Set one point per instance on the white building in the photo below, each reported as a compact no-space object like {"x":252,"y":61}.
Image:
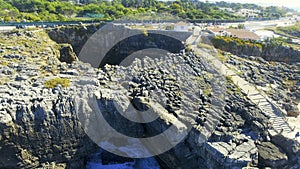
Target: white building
{"x":227,"y":9}
{"x":181,"y":27}
{"x":249,"y":13}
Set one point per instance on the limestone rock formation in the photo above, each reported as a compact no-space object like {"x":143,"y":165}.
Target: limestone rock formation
{"x":267,"y":51}
{"x":66,"y":53}
{"x":271,"y":156}
{"x":44,"y":127}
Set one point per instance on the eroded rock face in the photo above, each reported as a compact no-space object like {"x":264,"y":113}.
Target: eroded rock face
{"x":160,"y":86}
{"x":267,"y":51}
{"x":271,"y":156}
{"x":66,"y":53}
{"x":73,"y":35}
{"x":278,"y":80}
{"x":233,"y":140}
{"x":41,"y":127}
{"x":116,"y":44}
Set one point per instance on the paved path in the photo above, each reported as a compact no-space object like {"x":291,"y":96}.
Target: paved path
{"x":6,"y":28}
{"x":269,"y":108}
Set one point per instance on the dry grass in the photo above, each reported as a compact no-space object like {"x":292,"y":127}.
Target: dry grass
{"x":4,"y":63}
{"x":221,"y":57}
{"x":64,"y":82}
{"x":205,"y":46}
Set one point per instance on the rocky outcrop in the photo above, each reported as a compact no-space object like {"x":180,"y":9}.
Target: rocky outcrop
{"x":280,"y":54}
{"x":39,"y":126}
{"x":75,"y":35}
{"x":233,"y":141}
{"x":267,"y":51}
{"x":53,"y":127}
{"x":113,"y":48}
{"x":278,"y":80}
{"x":271,"y":156}
{"x":292,"y":150}
{"x":155,"y":79}
{"x":66,"y":53}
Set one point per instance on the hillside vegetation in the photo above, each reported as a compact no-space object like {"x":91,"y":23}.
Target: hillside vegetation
{"x":56,"y":10}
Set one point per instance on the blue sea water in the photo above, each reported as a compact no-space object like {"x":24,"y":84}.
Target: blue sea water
{"x":146,"y":163}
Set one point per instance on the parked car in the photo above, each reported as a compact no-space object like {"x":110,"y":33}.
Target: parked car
{"x":21,"y":26}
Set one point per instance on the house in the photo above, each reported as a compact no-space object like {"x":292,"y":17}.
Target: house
{"x":181,"y":26}
{"x":227,"y":9}
{"x":249,"y":13}
{"x":239,"y":33}
{"x":265,"y":35}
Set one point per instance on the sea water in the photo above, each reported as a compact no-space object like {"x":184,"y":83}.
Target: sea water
{"x":145,"y":163}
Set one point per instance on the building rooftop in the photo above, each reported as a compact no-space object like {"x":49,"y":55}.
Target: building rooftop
{"x":181,"y":23}
{"x":239,"y":33}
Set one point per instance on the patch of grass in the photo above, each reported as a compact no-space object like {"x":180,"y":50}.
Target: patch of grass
{"x":229,"y":78}
{"x":281,"y":31}
{"x":202,"y":80}
{"x":269,"y":91}
{"x":31,"y":29}
{"x":289,"y":83}
{"x":144,"y":32}
{"x":3,"y":63}
{"x":207,"y":91}
{"x":4,"y":80}
{"x":272,"y":63}
{"x":64,"y":82}
{"x":178,"y":94}
{"x":205,"y":46}
{"x":188,"y":47}
{"x":148,"y":27}
{"x":236,"y":88}
{"x":222,"y":57}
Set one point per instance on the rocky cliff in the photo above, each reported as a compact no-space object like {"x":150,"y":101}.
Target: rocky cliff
{"x":39,"y":126}
{"x":115,"y":42}
{"x":279,"y":81}
{"x":75,"y":35}
{"x":44,"y":126}
{"x":269,"y":52}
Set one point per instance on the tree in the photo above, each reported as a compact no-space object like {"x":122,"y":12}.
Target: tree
{"x":176,"y":8}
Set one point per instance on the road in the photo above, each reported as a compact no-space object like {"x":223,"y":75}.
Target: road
{"x":6,"y":28}
{"x":259,"y":25}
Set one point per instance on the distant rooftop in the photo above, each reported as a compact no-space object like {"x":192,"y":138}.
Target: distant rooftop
{"x":181,"y":23}
{"x":239,"y":33}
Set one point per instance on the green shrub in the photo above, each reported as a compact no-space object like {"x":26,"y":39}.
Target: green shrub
{"x":229,"y":78}
{"x":64,"y":82}
{"x":223,"y":42}
{"x":144,"y":32}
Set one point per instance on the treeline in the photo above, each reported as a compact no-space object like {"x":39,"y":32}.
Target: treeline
{"x":63,"y":10}
{"x":266,"y":12}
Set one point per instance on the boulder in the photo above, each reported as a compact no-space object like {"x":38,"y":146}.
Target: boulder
{"x":66,"y":53}
{"x":271,"y":156}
